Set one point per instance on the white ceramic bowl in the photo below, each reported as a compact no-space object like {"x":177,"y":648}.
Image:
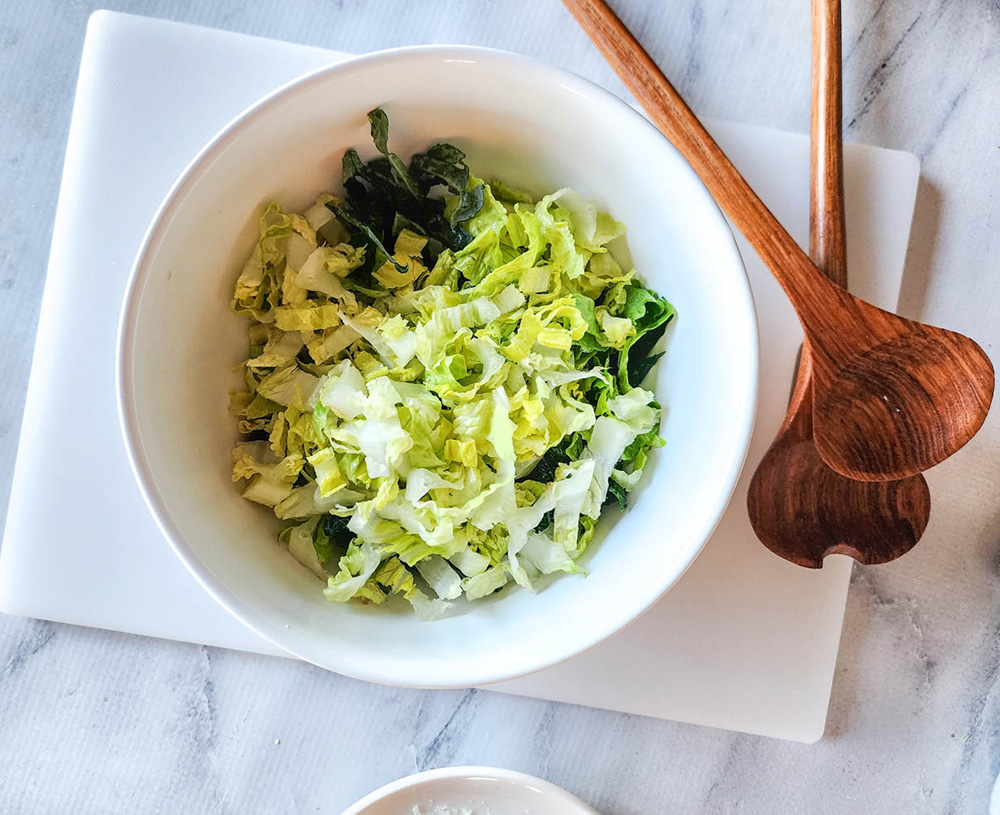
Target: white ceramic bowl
{"x":536,"y":127}
{"x":479,"y":790}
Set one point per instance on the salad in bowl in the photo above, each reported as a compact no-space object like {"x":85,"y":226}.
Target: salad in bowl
{"x":443,"y":380}
{"x":443,"y":390}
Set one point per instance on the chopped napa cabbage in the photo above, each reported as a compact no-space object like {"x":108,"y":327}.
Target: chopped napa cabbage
{"x":442,"y":391}
{"x":300,"y":545}
{"x":288,"y":385}
{"x":356,"y":566}
{"x":441,"y":577}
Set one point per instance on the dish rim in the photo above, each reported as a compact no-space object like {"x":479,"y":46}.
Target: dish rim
{"x":416,"y":780}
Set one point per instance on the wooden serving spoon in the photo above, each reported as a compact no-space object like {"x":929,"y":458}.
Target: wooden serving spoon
{"x":800,"y":508}
{"x":891,"y":397}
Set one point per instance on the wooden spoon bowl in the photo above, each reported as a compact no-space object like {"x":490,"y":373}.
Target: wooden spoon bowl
{"x":803,"y":511}
{"x":903,"y":405}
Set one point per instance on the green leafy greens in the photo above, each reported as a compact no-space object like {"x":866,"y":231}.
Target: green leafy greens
{"x":443,"y":390}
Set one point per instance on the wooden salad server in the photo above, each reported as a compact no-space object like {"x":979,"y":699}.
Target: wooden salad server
{"x":800,"y":508}
{"x":891,"y":397}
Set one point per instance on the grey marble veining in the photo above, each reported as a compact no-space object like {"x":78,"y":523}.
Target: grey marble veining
{"x":95,"y":722}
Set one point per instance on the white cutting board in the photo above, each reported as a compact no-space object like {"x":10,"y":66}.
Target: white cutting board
{"x":745,"y":641}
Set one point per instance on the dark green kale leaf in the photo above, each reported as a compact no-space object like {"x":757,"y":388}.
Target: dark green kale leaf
{"x":616,"y":495}
{"x":570,"y":448}
{"x":441,"y":164}
{"x":368,"y":233}
{"x":330,"y":540}
{"x":470,"y":202}
{"x":650,"y":314}
{"x":384,"y":196}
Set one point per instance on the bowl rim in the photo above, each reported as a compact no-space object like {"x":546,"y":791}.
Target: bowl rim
{"x":465,"y":772}
{"x":140,"y":272}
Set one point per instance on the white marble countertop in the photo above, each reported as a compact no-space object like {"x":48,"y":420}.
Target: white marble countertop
{"x":98,"y":722}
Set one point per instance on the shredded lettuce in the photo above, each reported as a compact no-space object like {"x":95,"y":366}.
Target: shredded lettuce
{"x":443,"y":388}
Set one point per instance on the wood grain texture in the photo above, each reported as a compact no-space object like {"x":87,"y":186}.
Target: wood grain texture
{"x":799,"y":508}
{"x":802,"y":510}
{"x":891,"y":397}
{"x":827,"y":228}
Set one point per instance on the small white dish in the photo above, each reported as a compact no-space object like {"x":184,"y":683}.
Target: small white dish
{"x":536,"y":127}
{"x":470,"y":791}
